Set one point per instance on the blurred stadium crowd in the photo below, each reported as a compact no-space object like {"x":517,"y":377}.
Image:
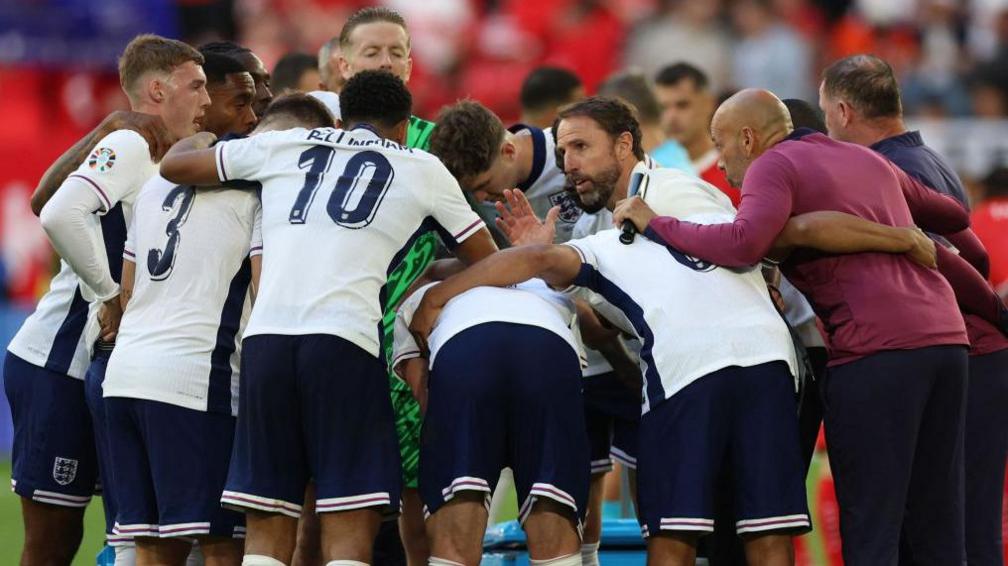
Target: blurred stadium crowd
{"x":58,"y":79}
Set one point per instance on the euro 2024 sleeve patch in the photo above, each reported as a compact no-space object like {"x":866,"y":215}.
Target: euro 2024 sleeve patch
{"x":102,"y":159}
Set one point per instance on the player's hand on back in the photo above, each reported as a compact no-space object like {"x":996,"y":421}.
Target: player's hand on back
{"x":521,"y":225}
{"x":151,"y":127}
{"x":109,"y":315}
{"x":923,"y":251}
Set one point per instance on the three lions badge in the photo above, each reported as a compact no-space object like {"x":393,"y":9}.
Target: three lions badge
{"x":64,"y":470}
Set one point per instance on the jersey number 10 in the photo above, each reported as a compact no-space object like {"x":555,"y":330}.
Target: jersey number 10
{"x":359,"y":189}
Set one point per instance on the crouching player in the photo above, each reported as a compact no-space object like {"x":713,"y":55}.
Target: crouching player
{"x":717,"y":363}
{"x":504,"y":390}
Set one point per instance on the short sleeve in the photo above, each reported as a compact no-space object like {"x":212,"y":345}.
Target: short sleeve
{"x":585,"y":248}
{"x":256,"y":246}
{"x":117,"y":166}
{"x":449,"y":207}
{"x":404,"y":346}
{"x":244,"y":159}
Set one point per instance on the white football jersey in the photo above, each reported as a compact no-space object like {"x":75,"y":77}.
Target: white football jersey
{"x":339,"y":210}
{"x":178,"y":342}
{"x":692,"y":318}
{"x":117,"y":168}
{"x":58,"y":335}
{"x":587,"y":225}
{"x":53,"y":336}
{"x":531,"y":303}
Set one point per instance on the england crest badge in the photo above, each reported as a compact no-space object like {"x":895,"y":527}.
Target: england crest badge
{"x":569,"y":210}
{"x":64,"y":470}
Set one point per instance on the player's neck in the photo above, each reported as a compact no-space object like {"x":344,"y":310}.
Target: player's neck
{"x":698,"y":146}
{"x":880,"y":129}
{"x":145,"y":107}
{"x":523,"y":157}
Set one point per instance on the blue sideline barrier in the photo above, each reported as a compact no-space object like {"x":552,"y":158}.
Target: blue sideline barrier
{"x":621,"y":544}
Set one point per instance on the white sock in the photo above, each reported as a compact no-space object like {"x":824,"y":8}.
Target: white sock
{"x":569,"y":560}
{"x":589,"y":554}
{"x":260,"y":560}
{"x":125,"y":555}
{"x":435,"y":561}
{"x":346,"y":563}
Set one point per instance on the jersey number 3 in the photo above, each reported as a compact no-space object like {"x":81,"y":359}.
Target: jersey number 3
{"x":160,"y":263}
{"x":359,"y":189}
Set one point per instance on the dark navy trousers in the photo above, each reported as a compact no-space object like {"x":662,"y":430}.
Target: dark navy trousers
{"x":895,"y":425}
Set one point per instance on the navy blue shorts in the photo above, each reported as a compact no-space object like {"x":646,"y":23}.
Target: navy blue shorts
{"x":53,"y":457}
{"x":313,"y":406}
{"x":489,"y":409}
{"x":169,"y":468}
{"x":612,"y":415}
{"x":93,"y":393}
{"x":744,"y":418}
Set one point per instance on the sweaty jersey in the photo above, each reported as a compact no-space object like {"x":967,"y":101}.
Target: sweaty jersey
{"x":531,"y":303}
{"x":178,"y":340}
{"x":691,"y":317}
{"x":339,"y":210}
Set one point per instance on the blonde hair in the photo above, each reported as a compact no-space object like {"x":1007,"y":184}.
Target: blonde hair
{"x":149,"y":52}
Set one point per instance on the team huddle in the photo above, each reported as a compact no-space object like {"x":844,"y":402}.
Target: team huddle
{"x":282,"y":323}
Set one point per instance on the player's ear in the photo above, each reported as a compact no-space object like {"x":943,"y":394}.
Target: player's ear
{"x":156,"y":90}
{"x":344,"y":67}
{"x":624,"y":145}
{"x":508,"y":150}
{"x":409,"y":69}
{"x":399,"y":132}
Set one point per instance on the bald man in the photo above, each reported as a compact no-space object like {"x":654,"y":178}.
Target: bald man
{"x":895,"y":391}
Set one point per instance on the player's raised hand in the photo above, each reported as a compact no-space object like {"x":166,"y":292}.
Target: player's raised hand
{"x":151,"y":127}
{"x":521,"y":225}
{"x":635,"y":210}
{"x":923,"y":250}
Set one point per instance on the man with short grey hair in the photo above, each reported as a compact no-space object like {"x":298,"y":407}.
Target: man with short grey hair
{"x":861,"y":99}
{"x":330,"y":78}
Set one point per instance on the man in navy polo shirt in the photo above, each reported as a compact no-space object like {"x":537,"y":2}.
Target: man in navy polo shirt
{"x":861,"y":99}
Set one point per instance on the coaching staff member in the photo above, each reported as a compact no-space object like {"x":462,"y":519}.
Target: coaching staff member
{"x":861,"y":99}
{"x":895,"y":392}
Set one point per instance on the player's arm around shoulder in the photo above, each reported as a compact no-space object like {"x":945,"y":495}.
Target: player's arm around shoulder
{"x":558,"y":265}
{"x":841,"y":233}
{"x":192,"y":161}
{"x":149,"y":126}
